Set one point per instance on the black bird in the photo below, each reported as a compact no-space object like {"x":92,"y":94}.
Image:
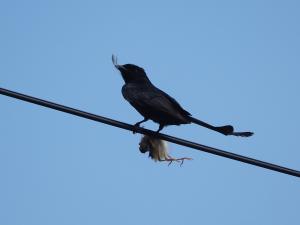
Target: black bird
{"x":154,"y":104}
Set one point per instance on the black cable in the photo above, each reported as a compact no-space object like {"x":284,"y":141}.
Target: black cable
{"x":126,"y":126}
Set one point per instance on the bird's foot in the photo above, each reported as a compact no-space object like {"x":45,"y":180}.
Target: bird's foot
{"x":135,"y":128}
{"x":137,"y":125}
{"x":179,"y":160}
{"x":160,"y":128}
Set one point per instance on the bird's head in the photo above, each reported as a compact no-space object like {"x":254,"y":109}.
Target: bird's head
{"x":130,"y":72}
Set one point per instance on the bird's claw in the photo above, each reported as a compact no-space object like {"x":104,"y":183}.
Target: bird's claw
{"x":135,"y":128}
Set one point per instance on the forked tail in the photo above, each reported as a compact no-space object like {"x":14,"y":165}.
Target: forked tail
{"x":226,"y":130}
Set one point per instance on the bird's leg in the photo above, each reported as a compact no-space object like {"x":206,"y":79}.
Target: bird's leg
{"x":137,"y":125}
{"x":182,"y":160}
{"x":161,"y":126}
{"x":171,"y":159}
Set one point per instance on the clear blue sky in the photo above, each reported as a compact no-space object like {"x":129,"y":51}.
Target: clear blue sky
{"x":227,"y":62}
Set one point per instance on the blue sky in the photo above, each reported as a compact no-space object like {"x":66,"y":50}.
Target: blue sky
{"x":233,"y":62}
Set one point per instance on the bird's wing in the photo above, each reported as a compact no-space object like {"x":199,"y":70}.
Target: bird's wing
{"x":175,"y":103}
{"x":155,"y":101}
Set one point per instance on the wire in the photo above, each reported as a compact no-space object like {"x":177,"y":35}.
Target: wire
{"x":129,"y":127}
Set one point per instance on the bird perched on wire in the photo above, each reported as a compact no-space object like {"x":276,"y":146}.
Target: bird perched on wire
{"x":158,"y":150}
{"x":156,"y":105}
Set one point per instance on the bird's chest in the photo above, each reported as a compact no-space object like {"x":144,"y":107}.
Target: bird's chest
{"x":133,"y":92}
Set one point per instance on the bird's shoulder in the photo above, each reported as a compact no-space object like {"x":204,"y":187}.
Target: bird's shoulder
{"x":132,"y":91}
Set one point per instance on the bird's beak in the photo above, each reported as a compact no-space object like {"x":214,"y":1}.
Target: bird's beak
{"x":115,"y":62}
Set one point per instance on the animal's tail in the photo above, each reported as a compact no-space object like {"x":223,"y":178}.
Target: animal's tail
{"x":226,"y":130}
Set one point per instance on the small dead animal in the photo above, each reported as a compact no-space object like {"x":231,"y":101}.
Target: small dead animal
{"x":158,"y":150}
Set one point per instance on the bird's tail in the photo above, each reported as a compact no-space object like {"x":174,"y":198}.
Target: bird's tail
{"x":226,"y":130}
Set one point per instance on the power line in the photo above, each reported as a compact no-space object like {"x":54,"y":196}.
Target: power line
{"x":126,"y":126}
